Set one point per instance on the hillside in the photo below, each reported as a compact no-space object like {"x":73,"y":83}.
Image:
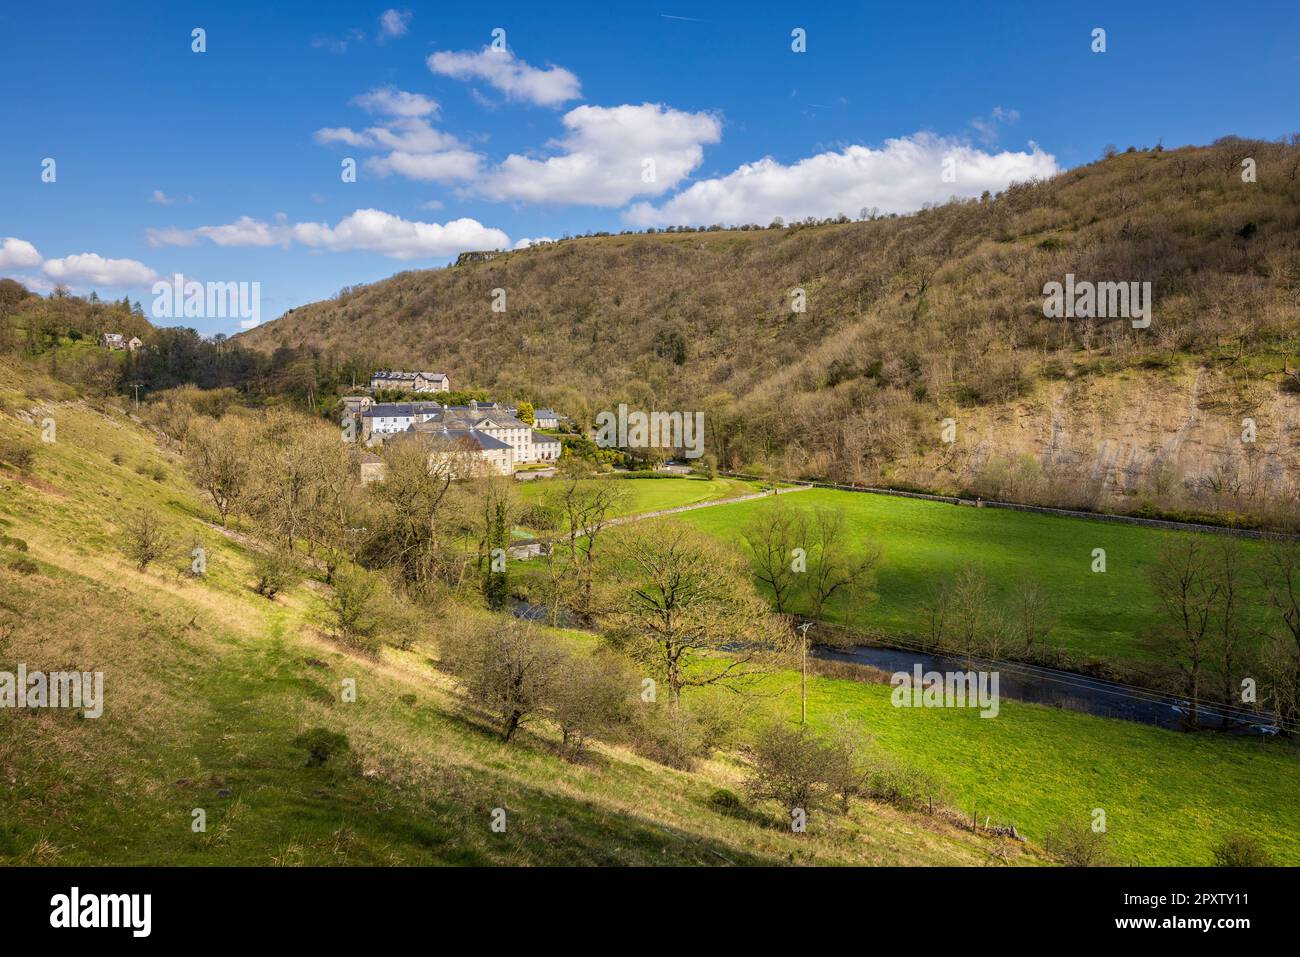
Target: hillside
{"x":911,"y":320}
{"x":207,"y":687}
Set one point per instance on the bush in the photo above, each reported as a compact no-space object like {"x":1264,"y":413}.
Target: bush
{"x":276,"y":571}
{"x":144,"y":539}
{"x":670,"y":736}
{"x":790,"y":767}
{"x":507,"y":668}
{"x":17,"y":453}
{"x":359,"y":614}
{"x":1078,"y":845}
{"x":1241,"y":850}
{"x":592,"y":696}
{"x":25,"y":566}
{"x":321,"y":744}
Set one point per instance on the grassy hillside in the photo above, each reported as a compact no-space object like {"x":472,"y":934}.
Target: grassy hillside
{"x":208,"y":686}
{"x":911,"y":320}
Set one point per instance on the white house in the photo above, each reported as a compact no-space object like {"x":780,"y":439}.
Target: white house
{"x":546,"y":419}
{"x":114,"y":340}
{"x":388,"y":418}
{"x":410,"y":381}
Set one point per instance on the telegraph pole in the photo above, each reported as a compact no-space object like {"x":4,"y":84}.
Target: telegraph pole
{"x":803,"y":677}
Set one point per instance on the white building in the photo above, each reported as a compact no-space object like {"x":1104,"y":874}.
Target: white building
{"x":546,"y":419}
{"x":388,"y":418}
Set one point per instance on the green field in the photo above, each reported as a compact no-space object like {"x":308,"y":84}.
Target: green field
{"x":653,"y":495}
{"x":1168,"y":797}
{"x":1100,"y":615}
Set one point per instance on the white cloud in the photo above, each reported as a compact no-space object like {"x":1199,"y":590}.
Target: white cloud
{"x":390,"y":101}
{"x":417,"y":150}
{"x":535,"y":241}
{"x":161,"y":198}
{"x":611,"y":154}
{"x":93,"y":269}
{"x":899,"y":177}
{"x":393,"y":23}
{"x":369,"y":230}
{"x":17,"y":253}
{"x":515,"y":78}
{"x":439,"y":167}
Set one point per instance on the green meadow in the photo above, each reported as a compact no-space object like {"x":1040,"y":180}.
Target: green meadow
{"x":1099,"y":615}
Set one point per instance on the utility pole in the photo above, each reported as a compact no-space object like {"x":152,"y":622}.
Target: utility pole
{"x":803,"y":678}
{"x":136,"y":386}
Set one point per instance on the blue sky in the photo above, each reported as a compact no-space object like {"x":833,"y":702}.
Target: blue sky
{"x":225,"y":165}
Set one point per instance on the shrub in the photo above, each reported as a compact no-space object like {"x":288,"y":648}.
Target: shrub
{"x":1078,"y":845}
{"x":17,"y":453}
{"x":790,"y":767}
{"x":507,"y":668}
{"x":25,"y":566}
{"x":592,"y":696}
{"x":1241,"y":850}
{"x":144,"y":539}
{"x":276,"y":571}
{"x":670,"y":736}
{"x":321,"y":744}
{"x":358,"y":614}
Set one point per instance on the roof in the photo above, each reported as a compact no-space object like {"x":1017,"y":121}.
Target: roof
{"x":390,"y":410}
{"x":492,"y":418}
{"x":545,"y":414}
{"x":540,"y":438}
{"x":461,"y":436}
{"x":407,"y":376}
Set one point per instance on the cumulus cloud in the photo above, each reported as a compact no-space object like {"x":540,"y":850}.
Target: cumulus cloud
{"x":609,"y":156}
{"x":417,"y":150}
{"x":393,"y":23}
{"x":505,"y":72}
{"x":390,"y":101}
{"x":17,"y":253}
{"x":533,"y":241}
{"x":899,"y":177}
{"x":369,"y":230}
{"x":94,"y":270}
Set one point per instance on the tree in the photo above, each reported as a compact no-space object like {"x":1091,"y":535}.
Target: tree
{"x":508,"y":668}
{"x":219,"y":462}
{"x":145,"y":540}
{"x":587,"y":505}
{"x":524,"y":412}
{"x":792,"y":767}
{"x":773,"y":534}
{"x":415,"y":518}
{"x":1281,"y":582}
{"x":686,"y":606}
{"x":1078,"y":845}
{"x":360,"y":611}
{"x":497,"y":510}
{"x":832,"y":567}
{"x":1241,"y":850}
{"x":1187,"y":593}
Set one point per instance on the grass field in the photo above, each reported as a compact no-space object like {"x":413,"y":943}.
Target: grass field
{"x":1100,"y":615}
{"x":653,"y":495}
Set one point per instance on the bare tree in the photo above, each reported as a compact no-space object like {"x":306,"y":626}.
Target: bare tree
{"x":687,"y":607}
{"x":837,"y":565}
{"x":145,"y":539}
{"x":587,"y":505}
{"x":218,"y":461}
{"x":1281,"y":581}
{"x":772,"y":535}
{"x":1187,"y":591}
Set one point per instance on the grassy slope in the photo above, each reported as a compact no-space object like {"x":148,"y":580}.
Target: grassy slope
{"x":207,"y":685}
{"x":1100,"y":615}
